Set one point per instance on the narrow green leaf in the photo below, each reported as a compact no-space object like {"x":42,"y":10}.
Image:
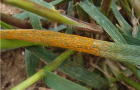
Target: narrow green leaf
{"x":57,"y":2}
{"x":58,"y":83}
{"x":22,"y":15}
{"x":131,"y":40}
{"x":35,"y":21}
{"x":68,"y":67}
{"x":138,"y":32}
{"x":59,"y":28}
{"x":5,"y":25}
{"x":8,"y":43}
{"x":69,"y":29}
{"x":43,"y":3}
{"x":102,"y":20}
{"x":138,"y":70}
{"x":78,"y":59}
{"x":31,"y":62}
{"x":125,"y":26}
{"x":130,"y":82}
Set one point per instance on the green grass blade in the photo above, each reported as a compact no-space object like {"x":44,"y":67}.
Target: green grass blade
{"x":57,"y":2}
{"x":125,"y":26}
{"x":138,"y":70}
{"x":131,"y":40}
{"x":58,"y":83}
{"x":78,"y":59}
{"x":68,"y":67}
{"x":138,"y":32}
{"x":22,"y":15}
{"x":5,"y":25}
{"x":31,"y":62}
{"x":35,"y":21}
{"x":59,"y":28}
{"x":102,"y":20}
{"x":7,"y":43}
{"x":43,"y":3}
{"x":69,"y":29}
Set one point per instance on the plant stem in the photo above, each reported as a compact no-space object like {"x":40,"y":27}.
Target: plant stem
{"x":54,"y":64}
{"x":29,"y":81}
{"x":50,"y":67}
{"x":130,"y":82}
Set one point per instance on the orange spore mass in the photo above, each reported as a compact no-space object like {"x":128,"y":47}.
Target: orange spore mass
{"x":73,"y":42}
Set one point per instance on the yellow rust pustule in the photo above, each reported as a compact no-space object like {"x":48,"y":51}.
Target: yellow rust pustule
{"x":57,"y":39}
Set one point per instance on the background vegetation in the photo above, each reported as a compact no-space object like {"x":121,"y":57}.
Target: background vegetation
{"x":113,"y":39}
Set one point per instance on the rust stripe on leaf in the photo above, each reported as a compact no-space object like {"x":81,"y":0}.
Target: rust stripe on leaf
{"x":74,"y":42}
{"x":57,"y":39}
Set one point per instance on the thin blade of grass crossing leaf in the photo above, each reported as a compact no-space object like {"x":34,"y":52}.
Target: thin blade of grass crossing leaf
{"x":35,"y":21}
{"x":31,"y":62}
{"x":78,"y":59}
{"x":58,"y":83}
{"x":59,"y":28}
{"x":6,"y":43}
{"x":138,"y":36}
{"x":43,"y":3}
{"x":125,"y":26}
{"x":22,"y":15}
{"x":76,"y":71}
{"x":69,"y":29}
{"x":57,"y":2}
{"x":25,"y":14}
{"x":138,"y":32}
{"x":138,"y":70}
{"x":102,"y":20}
{"x":131,"y":40}
{"x":5,"y":25}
